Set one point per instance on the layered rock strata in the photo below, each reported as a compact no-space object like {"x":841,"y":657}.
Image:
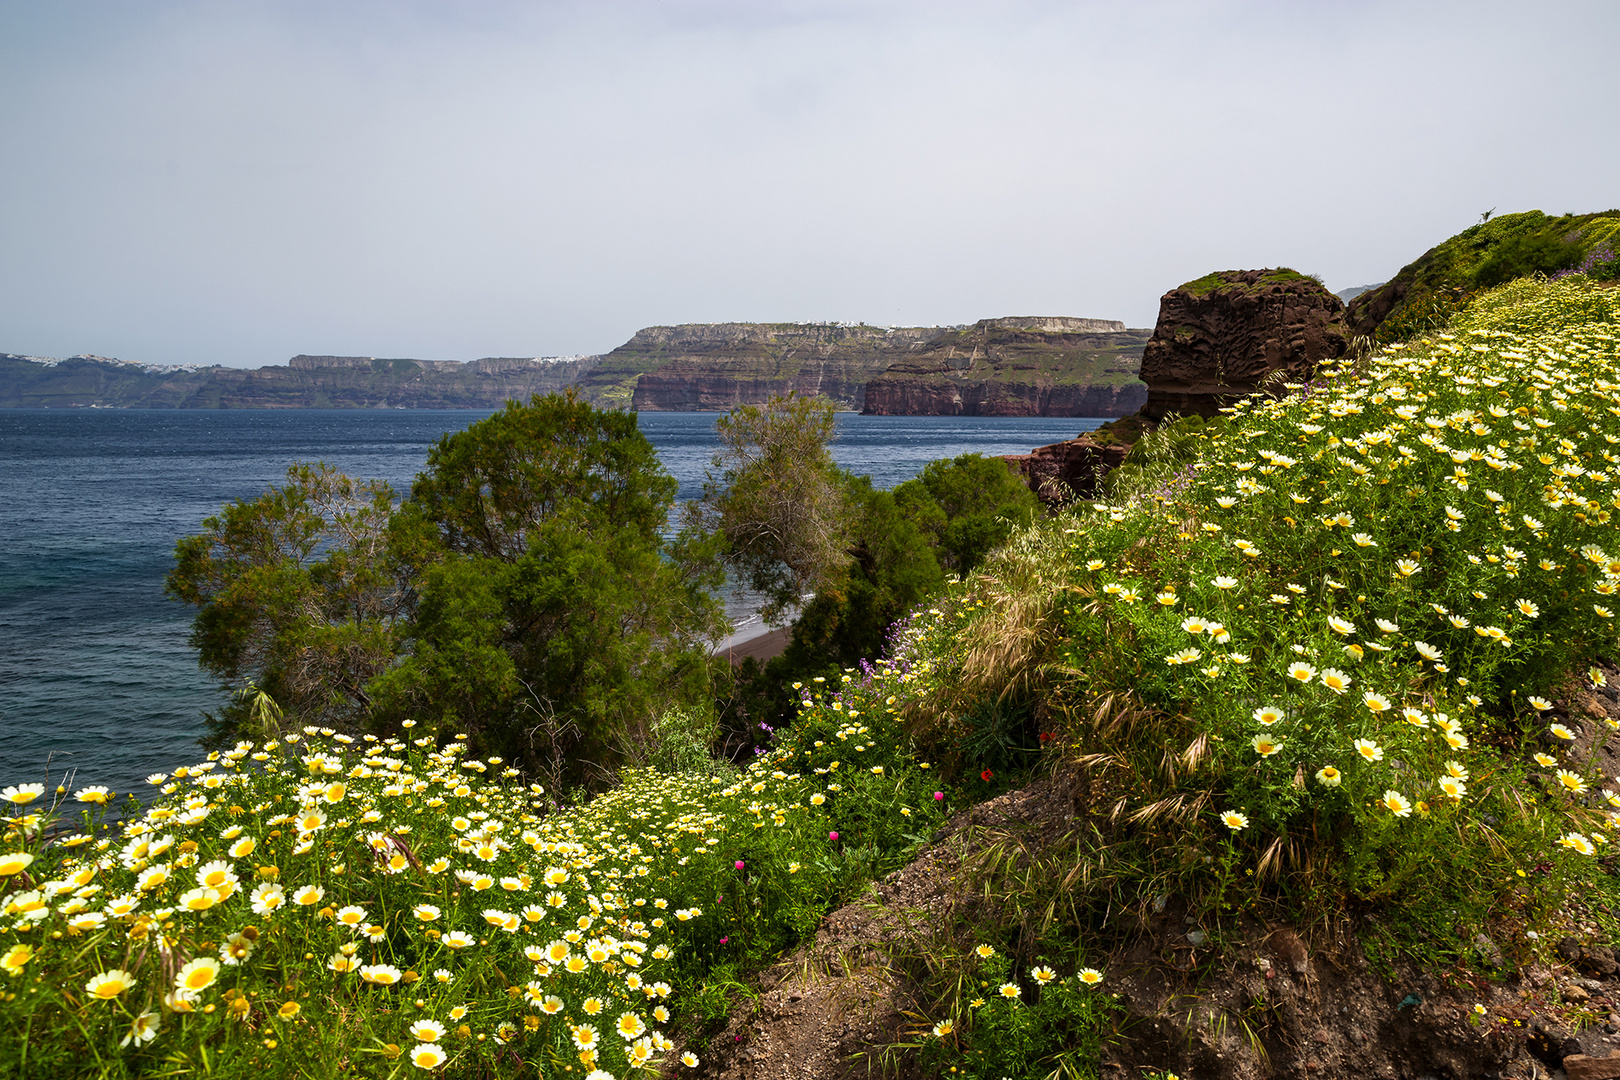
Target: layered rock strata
{"x":1018,"y":366}
{"x":718,"y":366}
{"x":1227,"y":334}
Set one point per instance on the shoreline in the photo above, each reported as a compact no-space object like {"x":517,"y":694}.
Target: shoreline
{"x":761,"y":647}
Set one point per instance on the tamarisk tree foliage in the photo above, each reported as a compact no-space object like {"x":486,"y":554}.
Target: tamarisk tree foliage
{"x":776,"y":505}
{"x":299,"y":592}
{"x":523,"y":593}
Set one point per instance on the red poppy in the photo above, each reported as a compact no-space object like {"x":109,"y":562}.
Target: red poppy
{"x":1045,"y":735}
{"x":986,"y":775}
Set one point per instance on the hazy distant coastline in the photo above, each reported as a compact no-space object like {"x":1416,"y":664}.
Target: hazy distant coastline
{"x":1014,"y":366}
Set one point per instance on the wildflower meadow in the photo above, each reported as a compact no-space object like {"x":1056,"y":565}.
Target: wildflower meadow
{"x":1327,"y":669}
{"x":1319,"y":664}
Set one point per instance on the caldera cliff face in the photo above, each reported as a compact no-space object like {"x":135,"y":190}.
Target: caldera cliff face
{"x":718,"y":366}
{"x":1017,"y":366}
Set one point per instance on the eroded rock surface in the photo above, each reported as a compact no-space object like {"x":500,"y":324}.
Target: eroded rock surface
{"x":1221,"y":337}
{"x":1073,"y":468}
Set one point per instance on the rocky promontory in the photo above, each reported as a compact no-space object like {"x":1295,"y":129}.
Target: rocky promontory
{"x":1017,"y":366}
{"x":1222,"y":336}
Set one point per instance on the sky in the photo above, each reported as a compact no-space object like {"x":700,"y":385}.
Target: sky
{"x":237,"y":182}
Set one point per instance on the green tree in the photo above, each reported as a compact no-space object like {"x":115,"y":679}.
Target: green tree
{"x":535,"y":604}
{"x":551,"y":625}
{"x":967,"y":506}
{"x":299,"y":594}
{"x":775,"y":508}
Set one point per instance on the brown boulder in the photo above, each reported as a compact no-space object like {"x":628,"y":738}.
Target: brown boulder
{"x":1221,"y":337}
{"x":1073,"y":468}
{"x":1581,"y":1067}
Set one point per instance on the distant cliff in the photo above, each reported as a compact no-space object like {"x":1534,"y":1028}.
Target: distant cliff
{"x":330,"y":382}
{"x":1018,"y":366}
{"x":997,"y":367}
{"x":717,"y":366}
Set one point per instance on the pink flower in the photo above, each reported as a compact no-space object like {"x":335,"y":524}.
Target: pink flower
{"x":738,"y":864}
{"x":938,"y":795}
{"x":833,"y":837}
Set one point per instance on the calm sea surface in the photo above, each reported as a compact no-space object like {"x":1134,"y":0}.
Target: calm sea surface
{"x":95,"y":672}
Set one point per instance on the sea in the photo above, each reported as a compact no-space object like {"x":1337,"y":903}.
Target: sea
{"x":97,"y":683}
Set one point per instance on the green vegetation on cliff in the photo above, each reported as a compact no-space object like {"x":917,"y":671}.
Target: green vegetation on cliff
{"x":1222,"y":279}
{"x":997,"y":367}
{"x":1446,"y":278}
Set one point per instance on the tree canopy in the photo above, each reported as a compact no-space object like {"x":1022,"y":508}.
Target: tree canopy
{"x":522,"y":594}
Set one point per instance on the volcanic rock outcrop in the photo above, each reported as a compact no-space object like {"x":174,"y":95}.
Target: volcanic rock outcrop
{"x":1018,"y":366}
{"x":1073,"y":468}
{"x":1227,"y":334}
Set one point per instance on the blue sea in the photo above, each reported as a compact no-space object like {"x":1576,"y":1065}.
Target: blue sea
{"x":96,"y":678}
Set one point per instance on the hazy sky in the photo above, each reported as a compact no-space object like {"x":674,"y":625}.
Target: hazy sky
{"x":221,"y":182}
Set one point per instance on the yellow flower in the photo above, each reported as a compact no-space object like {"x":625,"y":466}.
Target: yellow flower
{"x":1090,"y":976}
{"x":1396,"y":804}
{"x":1234,"y":820}
{"x":14,"y":863}
{"x":1369,"y":750}
{"x":109,"y":984}
{"x":16,"y":956}
{"x":1571,"y":782}
{"x":427,"y":1056}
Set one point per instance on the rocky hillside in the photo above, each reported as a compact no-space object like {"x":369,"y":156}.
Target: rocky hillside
{"x":1020,"y":366}
{"x":332,"y":382}
{"x":1444,"y":279}
{"x":716,"y":366}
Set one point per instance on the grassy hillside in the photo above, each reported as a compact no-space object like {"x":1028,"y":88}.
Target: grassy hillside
{"x":1446,"y":277}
